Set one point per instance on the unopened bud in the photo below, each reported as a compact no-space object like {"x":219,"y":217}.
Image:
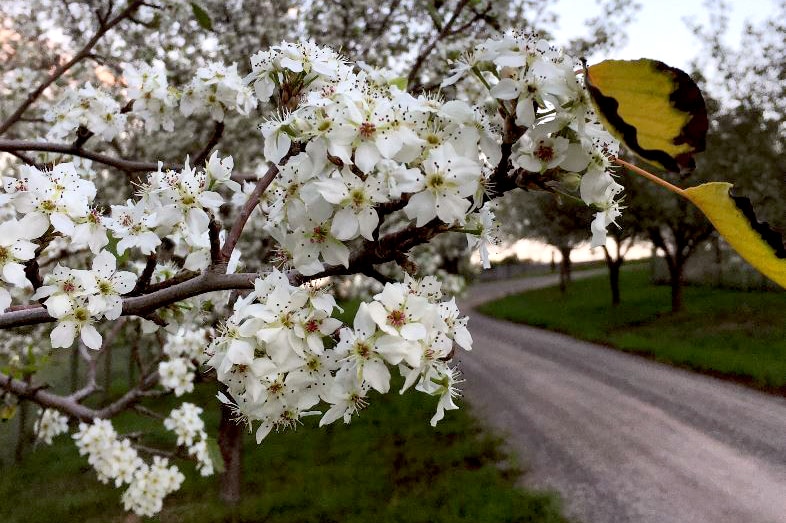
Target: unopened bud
{"x":570,"y":182}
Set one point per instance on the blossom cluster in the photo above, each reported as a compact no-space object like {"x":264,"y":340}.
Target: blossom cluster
{"x":77,"y":298}
{"x":116,"y":460}
{"x":183,"y":349}
{"x":185,"y":422}
{"x":537,"y":83}
{"x":279,"y":359}
{"x":49,"y":425}
{"x":88,"y":107}
{"x":177,"y":205}
{"x":369,"y":143}
{"x":215,"y":90}
{"x":57,"y":202}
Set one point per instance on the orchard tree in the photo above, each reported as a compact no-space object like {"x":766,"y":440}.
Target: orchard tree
{"x":355,"y":172}
{"x":675,"y":228}
{"x":553,"y":219}
{"x":220,"y":261}
{"x":627,"y":233}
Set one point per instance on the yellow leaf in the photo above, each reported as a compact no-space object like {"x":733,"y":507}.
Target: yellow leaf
{"x":734,"y":219}
{"x":656,"y":110}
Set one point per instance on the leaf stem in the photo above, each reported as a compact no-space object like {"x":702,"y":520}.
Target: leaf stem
{"x":649,"y":176}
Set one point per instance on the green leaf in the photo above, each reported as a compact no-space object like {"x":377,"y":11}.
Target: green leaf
{"x":215,"y":455}
{"x":656,"y":110}
{"x":202,"y":18}
{"x":400,"y":82}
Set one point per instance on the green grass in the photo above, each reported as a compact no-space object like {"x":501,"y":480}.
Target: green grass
{"x":735,"y":334}
{"x":389,"y":465}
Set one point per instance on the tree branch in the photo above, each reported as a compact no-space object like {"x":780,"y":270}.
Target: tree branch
{"x":163,"y":294}
{"x":146,"y":276}
{"x":71,"y":406}
{"x":187,"y":285}
{"x":14,"y":146}
{"x":218,"y":131}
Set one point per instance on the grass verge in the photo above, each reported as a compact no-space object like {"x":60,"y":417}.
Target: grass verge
{"x":733,"y":334}
{"x":389,"y":465}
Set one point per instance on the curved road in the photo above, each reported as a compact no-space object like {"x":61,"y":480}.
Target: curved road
{"x":621,"y":438}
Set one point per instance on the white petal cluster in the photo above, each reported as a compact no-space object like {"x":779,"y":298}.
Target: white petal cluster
{"x":271,"y":353}
{"x":153,"y":99}
{"x":177,"y":205}
{"x":273,"y":357}
{"x":88,"y":107}
{"x":53,"y":203}
{"x":369,"y":143}
{"x":186,"y":343}
{"x":16,"y":247}
{"x":269,"y":68}
{"x":173,"y":204}
{"x":49,"y":425}
{"x":177,"y":375}
{"x":77,"y":298}
{"x":16,"y":81}
{"x":482,"y":227}
{"x":151,"y":484}
{"x":537,"y":83}
{"x":216,"y":89}
{"x":190,"y":430}
{"x":117,"y":461}
{"x":60,"y":197}
{"x":184,"y":349}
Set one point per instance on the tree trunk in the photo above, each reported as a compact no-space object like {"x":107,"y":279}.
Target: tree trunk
{"x":675,"y":274}
{"x":21,"y":436}
{"x":614,"y":265}
{"x":230,"y":441}
{"x":614,"y":282}
{"x":564,"y":269}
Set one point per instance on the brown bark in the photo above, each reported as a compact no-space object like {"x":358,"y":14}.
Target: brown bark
{"x":614,"y":265}
{"x":230,"y":441}
{"x":565,"y":267}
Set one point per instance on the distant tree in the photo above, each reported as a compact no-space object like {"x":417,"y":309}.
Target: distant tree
{"x":552,"y":219}
{"x":740,"y":147}
{"x":626,"y":234}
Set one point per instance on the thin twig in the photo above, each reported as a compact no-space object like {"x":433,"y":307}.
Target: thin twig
{"x":146,"y":276}
{"x":72,"y":407}
{"x":28,"y":160}
{"x":148,"y":412}
{"x":218,"y":131}
{"x":245,"y":212}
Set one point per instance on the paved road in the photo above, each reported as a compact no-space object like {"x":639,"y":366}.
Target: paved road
{"x":621,"y":438}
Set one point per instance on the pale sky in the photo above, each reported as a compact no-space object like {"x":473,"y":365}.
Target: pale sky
{"x":659,"y":30}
